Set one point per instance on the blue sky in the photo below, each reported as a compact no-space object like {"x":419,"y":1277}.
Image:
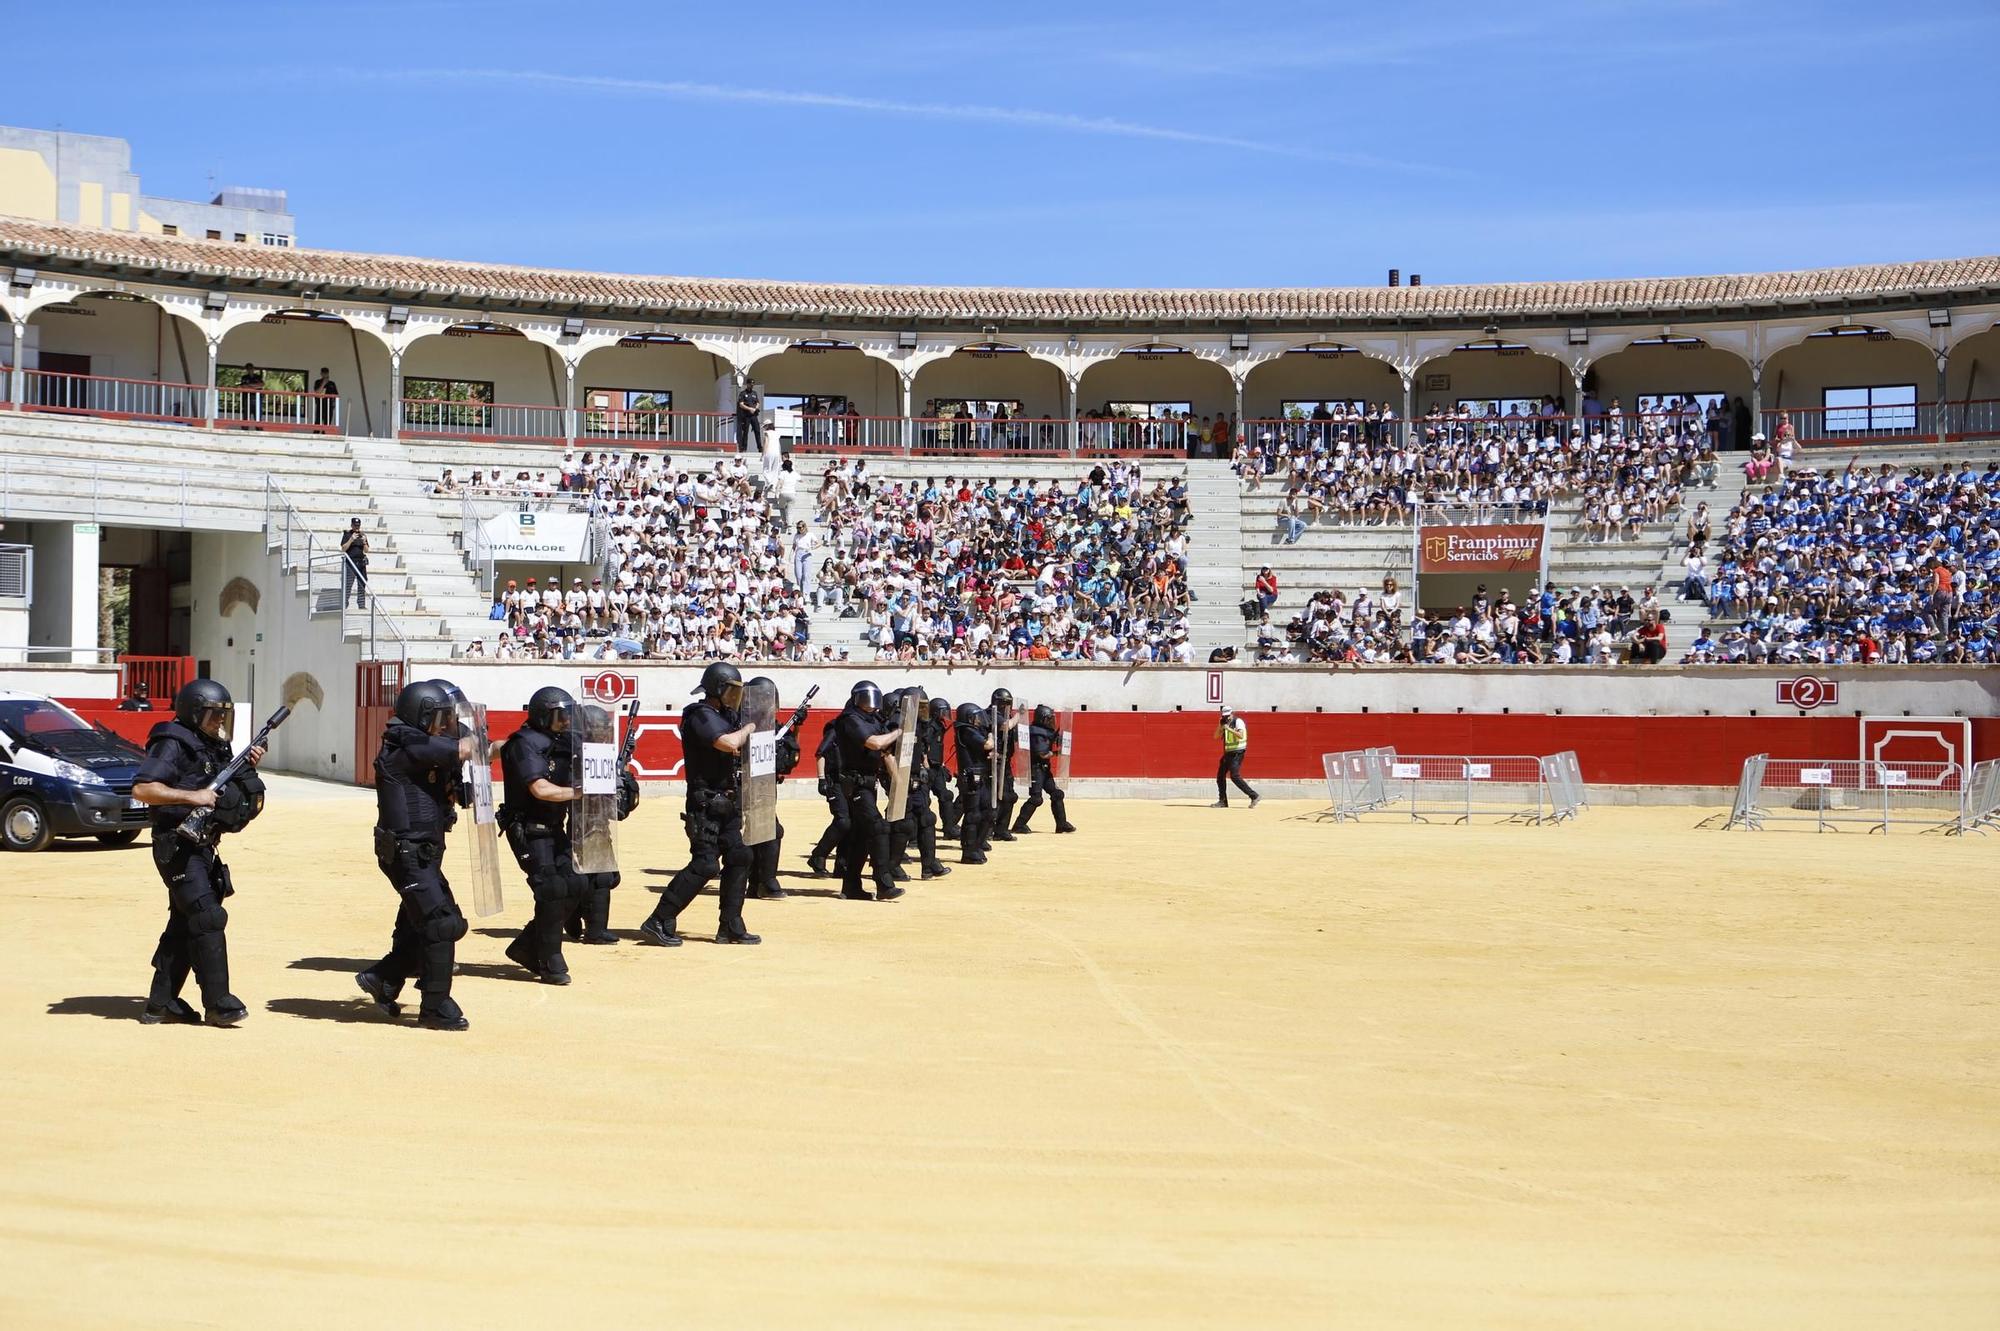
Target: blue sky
{"x":1111,"y":145}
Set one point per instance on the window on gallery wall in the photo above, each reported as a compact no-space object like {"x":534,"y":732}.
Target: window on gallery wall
{"x":1871,"y":409}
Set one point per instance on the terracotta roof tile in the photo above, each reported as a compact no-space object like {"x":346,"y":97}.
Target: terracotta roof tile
{"x":31,"y":242}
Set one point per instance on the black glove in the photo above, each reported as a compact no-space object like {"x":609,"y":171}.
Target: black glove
{"x":628,"y":794}
{"x":798,"y":716}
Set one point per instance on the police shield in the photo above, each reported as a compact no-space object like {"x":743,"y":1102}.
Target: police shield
{"x":1059,"y":760}
{"x":593,"y":733}
{"x":906,"y":755}
{"x":1020,"y":723}
{"x":479,"y":832}
{"x":760,"y":763}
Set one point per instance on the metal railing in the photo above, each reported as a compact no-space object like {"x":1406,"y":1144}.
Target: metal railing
{"x":444,"y":418}
{"x":1133,"y":435}
{"x":278,"y":409}
{"x":657,"y":426}
{"x":329,"y":579}
{"x":968,"y":434}
{"x":853,"y":434}
{"x":1852,"y":425}
{"x":1980,"y":810}
{"x":119,"y":399}
{"x":172,"y":486}
{"x":1461,"y":787}
{"x":1976,"y":419}
{"x":1829,"y":791}
{"x":1357,"y":780}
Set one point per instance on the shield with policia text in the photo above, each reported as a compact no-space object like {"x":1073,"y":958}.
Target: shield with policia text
{"x":760,"y":763}
{"x":906,"y":754}
{"x":1061,"y":724}
{"x":593,"y":743}
{"x":480,"y":833}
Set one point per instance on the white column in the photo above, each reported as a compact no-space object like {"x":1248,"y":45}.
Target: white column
{"x":18,"y":376}
{"x":1756,"y":401}
{"x":64,"y":610}
{"x":214,"y":350}
{"x":1239,"y":404}
{"x":1943,"y":358}
{"x":1069,"y":408}
{"x":908,"y":429}
{"x":1409,"y":402}
{"x":569,"y":402}
{"x":395,"y":392}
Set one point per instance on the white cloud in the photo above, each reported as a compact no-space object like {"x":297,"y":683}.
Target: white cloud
{"x":1060,"y":121}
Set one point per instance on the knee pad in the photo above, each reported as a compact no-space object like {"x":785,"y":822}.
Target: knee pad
{"x":207,"y":917}
{"x":546,"y":881}
{"x":447,"y":925}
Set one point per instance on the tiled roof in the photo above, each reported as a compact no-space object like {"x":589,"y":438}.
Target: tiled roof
{"x":32,"y":243}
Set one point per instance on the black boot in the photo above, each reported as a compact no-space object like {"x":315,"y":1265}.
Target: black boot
{"x":936,"y":870}
{"x":817,"y":863}
{"x":381,"y":991}
{"x":441,"y":1014}
{"x":657,"y":930}
{"x":522,"y":953}
{"x":737,"y":935}
{"x":888,"y":893}
{"x":1065,"y":827}
{"x":225,"y":1011}
{"x":173,"y":1009}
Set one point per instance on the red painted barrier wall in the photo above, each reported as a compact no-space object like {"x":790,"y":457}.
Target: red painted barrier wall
{"x":1613,"y":750}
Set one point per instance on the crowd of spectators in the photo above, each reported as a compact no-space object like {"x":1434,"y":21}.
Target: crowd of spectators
{"x":1355,"y":467}
{"x":1583,"y":626}
{"x":956,"y":568}
{"x":698,"y":565}
{"x":1856,"y":566}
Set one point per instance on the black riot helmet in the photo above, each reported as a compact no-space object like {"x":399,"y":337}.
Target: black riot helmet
{"x":1045,"y":715}
{"x":1002,"y":698}
{"x":940,"y":711}
{"x":420,"y":703}
{"x":970,"y":714}
{"x":767,"y":682}
{"x":199,"y":701}
{"x":722,"y":683}
{"x":866,"y":696}
{"x":549,"y":704}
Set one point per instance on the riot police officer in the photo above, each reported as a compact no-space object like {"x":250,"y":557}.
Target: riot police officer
{"x":937,"y":720}
{"x":533,"y":766}
{"x":1004,"y":743}
{"x":860,"y":736}
{"x":764,"y":857}
{"x":827,"y":757}
{"x":417,"y":780}
{"x":974,"y":744}
{"x":590,"y":922}
{"x":183,"y":756}
{"x":1044,"y":741}
{"x":919,"y":823}
{"x":713,"y":741}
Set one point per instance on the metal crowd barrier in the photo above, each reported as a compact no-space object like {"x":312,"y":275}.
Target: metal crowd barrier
{"x":1562,"y":778}
{"x":1512,"y":787}
{"x":1827,"y":792}
{"x":1357,"y":780}
{"x":1980,"y":809}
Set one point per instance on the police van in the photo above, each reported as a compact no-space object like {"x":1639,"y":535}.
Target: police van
{"x":61,"y":776}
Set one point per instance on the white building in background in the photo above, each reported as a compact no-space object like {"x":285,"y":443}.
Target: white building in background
{"x":57,"y":176}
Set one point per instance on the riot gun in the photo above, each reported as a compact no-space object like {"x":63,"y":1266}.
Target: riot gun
{"x":798,"y":717}
{"x":631,"y":744}
{"x":195,"y":826}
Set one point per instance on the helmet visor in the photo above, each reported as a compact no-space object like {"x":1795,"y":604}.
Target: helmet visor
{"x":216,"y":719}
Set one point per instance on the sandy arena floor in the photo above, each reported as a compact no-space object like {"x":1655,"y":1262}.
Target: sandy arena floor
{"x":1189,"y":1068}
